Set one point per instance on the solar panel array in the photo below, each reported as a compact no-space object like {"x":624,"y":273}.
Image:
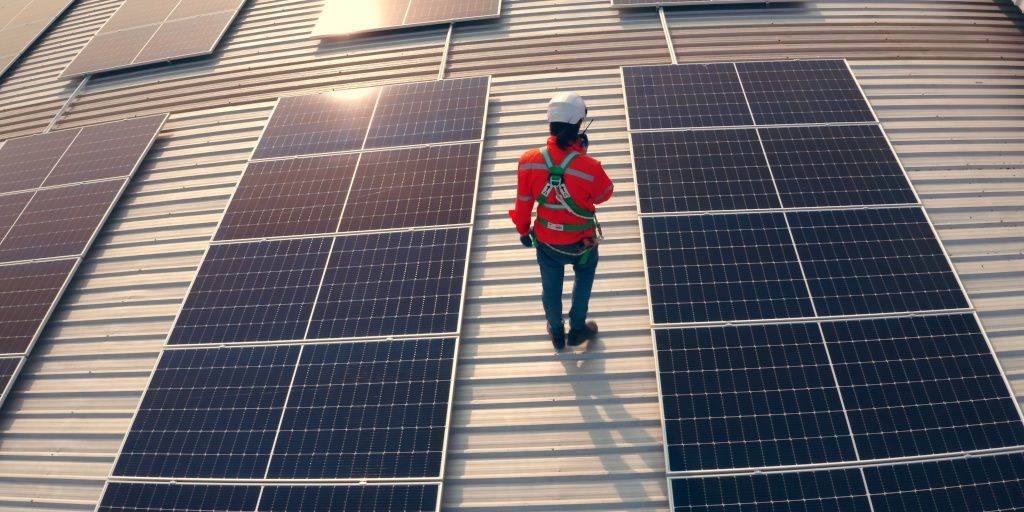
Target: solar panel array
{"x":150,"y":31}
{"x":342,"y":17}
{"x":626,"y":4}
{"x":318,"y":339}
{"x":22,"y":22}
{"x":805,"y":313}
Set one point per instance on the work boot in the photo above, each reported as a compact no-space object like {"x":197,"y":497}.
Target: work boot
{"x":578,"y":336}
{"x":558,"y":337}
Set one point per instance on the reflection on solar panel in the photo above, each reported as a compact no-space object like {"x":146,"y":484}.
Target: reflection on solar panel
{"x":25,"y":162}
{"x":27,"y":295}
{"x":803,"y":91}
{"x":701,"y":170}
{"x":21,"y":23}
{"x":396,"y":283}
{"x":837,"y":490}
{"x":175,"y":497}
{"x":922,"y":385}
{"x":623,"y":4}
{"x":367,"y":410}
{"x":289,"y":197}
{"x":429,"y":112}
{"x":318,"y":123}
{"x":749,"y":396}
{"x":331,"y":498}
{"x":989,"y":483}
{"x":255,"y":291}
{"x":210,"y":413}
{"x":110,"y":150}
{"x":723,"y":267}
{"x":692,"y":95}
{"x":341,"y":17}
{"x":874,"y":261}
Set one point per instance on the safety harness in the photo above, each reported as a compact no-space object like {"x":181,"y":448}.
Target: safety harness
{"x":556,"y":184}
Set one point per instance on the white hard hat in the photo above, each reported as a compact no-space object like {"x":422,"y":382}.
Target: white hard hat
{"x":566,"y":107}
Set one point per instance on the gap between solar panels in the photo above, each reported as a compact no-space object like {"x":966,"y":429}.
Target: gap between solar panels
{"x":318,"y":340}
{"x":805,"y":312}
{"x":348,"y":17}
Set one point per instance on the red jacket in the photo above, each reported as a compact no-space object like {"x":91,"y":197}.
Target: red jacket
{"x":586,"y":180}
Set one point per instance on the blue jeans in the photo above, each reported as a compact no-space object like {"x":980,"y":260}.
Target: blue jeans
{"x":552,"y":277}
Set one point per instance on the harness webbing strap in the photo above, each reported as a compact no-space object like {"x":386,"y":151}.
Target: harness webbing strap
{"x":556,"y":183}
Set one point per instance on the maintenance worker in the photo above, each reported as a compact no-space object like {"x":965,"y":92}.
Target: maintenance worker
{"x":566,"y":184}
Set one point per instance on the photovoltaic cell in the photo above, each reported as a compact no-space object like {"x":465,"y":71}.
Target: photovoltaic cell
{"x":874,"y":261}
{"x":921,"y":385}
{"x":209,"y":413}
{"x":722,"y":267}
{"x":25,"y":162}
{"x":836,"y":490}
{"x":289,"y":197}
{"x":982,"y":484}
{"x":423,"y":186}
{"x":27,"y":293}
{"x":835,"y":166}
{"x":701,"y":170}
{"x":175,"y":497}
{"x":803,"y":92}
{"x":395,"y":283}
{"x":748,"y":397}
{"x":431,"y":11}
{"x":331,"y":498}
{"x":318,"y":123}
{"x":107,"y":150}
{"x":367,"y":410}
{"x":429,"y":112}
{"x":692,"y":95}
{"x":258,"y":291}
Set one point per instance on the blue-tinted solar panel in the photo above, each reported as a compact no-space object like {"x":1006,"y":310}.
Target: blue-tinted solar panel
{"x":331,"y":498}
{"x":701,"y":170}
{"x":693,"y":95}
{"x":209,"y":413}
{"x":803,"y":92}
{"x":723,"y":267}
{"x":874,"y":261}
{"x":429,"y":112}
{"x":256,"y":291}
{"x":367,"y":410}
{"x":977,"y":484}
{"x":392,"y":283}
{"x":173,"y":497}
{"x":835,"y":166}
{"x":749,"y":396}
{"x":838,"y":490}
{"x":922,"y":385}
{"x":318,"y":123}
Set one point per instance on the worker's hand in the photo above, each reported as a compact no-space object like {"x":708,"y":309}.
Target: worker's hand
{"x":526,"y":241}
{"x":584,"y":141}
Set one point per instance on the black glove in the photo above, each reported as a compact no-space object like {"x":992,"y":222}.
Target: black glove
{"x":584,"y":141}
{"x":526,"y":240}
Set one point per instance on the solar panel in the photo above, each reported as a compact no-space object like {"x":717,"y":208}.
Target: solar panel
{"x":107,"y":150}
{"x":176,"y":39}
{"x":27,"y":295}
{"x":209,"y":413}
{"x":748,"y":397}
{"x":134,"y":13}
{"x":289,"y":197}
{"x":176,"y":497}
{"x":722,"y":267}
{"x":826,"y":490}
{"x":191,"y":8}
{"x":422,"y":186}
{"x":318,"y":123}
{"x":343,"y":17}
{"x":622,"y":4}
{"x":257,"y":291}
{"x":394,"y":283}
{"x":11,"y":206}
{"x":802,"y":92}
{"x":423,"y":12}
{"x":24,"y":22}
{"x":692,"y":95}
{"x":835,"y":166}
{"x":367,"y":410}
{"x":110,"y":50}
{"x":874,"y":261}
{"x":9,"y":367}
{"x":987,"y":484}
{"x":60,"y":221}
{"x":701,"y":170}
{"x":922,"y":385}
{"x":429,"y":112}
{"x":330,"y":498}
{"x":25,"y":162}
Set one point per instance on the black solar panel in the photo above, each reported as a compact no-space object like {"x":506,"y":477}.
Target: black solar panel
{"x":209,"y":413}
{"x":692,"y":95}
{"x":175,"y":497}
{"x":701,"y":170}
{"x":318,"y":123}
{"x":289,"y":197}
{"x":136,"y":13}
{"x":255,"y":291}
{"x":383,"y":284}
{"x":8,"y":369}
{"x":331,"y":498}
{"x":922,"y":385}
{"x":836,"y":490}
{"x":27,"y":294}
{"x":802,"y":92}
{"x":748,"y":397}
{"x":11,"y":206}
{"x":106,"y":151}
{"x":431,"y":11}
{"x":423,"y":186}
{"x":723,"y":267}
{"x":874,"y":261}
{"x":429,"y":112}
{"x":60,"y":221}
{"x":185,"y":37}
{"x":25,"y":162}
{"x":835,"y":166}
{"x":367,"y":410}
{"x":981,"y":484}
